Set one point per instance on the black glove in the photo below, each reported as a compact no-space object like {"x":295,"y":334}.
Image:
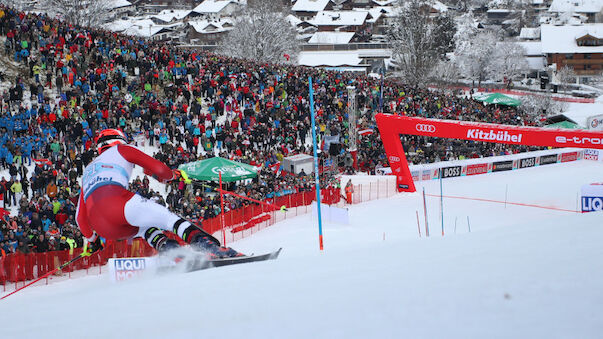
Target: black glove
{"x":93,"y":247}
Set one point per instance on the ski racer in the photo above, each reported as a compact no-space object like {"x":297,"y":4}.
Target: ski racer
{"x":107,"y":209}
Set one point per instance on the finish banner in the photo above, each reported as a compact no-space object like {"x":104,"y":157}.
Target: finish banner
{"x":392,"y":126}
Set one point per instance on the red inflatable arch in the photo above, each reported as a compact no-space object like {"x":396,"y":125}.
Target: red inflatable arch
{"x":392,"y":126}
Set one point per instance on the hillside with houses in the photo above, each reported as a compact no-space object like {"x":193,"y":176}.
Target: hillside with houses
{"x":352,"y":35}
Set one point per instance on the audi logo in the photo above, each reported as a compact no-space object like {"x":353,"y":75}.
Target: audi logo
{"x":393,"y":158}
{"x":426,"y":128}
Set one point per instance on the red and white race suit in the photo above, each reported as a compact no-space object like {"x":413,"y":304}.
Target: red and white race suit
{"x":107,"y":207}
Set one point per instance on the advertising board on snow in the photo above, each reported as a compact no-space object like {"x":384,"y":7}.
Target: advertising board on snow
{"x":500,"y":166}
{"x":595,"y":122}
{"x":477,"y":169}
{"x":591,"y":154}
{"x":527,"y":162}
{"x":548,"y":159}
{"x":121,"y":269}
{"x":592,"y":197}
{"x":450,"y":172}
{"x":571,"y":156}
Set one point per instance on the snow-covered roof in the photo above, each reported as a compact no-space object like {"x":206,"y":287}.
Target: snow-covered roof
{"x":529,"y":33}
{"x":532,"y":48}
{"x":343,"y":58}
{"x":293,"y":20}
{"x":167,"y":15}
{"x":339,"y":18}
{"x":562,"y":39}
{"x":212,"y":6}
{"x":309,"y":5}
{"x":384,"y":2}
{"x":211,"y":26}
{"x":138,"y":26}
{"x":375,"y":12}
{"x":331,"y":38}
{"x":440,"y":7}
{"x":115,"y":4}
{"x":578,"y":6}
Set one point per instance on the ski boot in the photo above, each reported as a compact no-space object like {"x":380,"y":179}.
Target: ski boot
{"x":204,"y":244}
{"x":166,"y":245}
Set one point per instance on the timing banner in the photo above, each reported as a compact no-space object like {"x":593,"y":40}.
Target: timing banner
{"x":392,"y":126}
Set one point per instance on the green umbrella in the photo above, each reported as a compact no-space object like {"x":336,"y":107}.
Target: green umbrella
{"x":564,"y":124}
{"x":497,"y":98}
{"x":209,"y":169}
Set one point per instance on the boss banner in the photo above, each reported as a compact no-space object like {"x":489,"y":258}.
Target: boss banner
{"x":392,"y":126}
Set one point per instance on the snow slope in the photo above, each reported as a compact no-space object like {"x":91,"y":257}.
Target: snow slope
{"x":521,"y":272}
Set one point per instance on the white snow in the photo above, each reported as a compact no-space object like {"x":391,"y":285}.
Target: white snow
{"x":576,"y":6}
{"x":309,"y":5}
{"x":580,"y":112}
{"x":331,"y":37}
{"x":562,"y":39}
{"x":212,"y":6}
{"x":522,"y":272}
{"x":339,"y":18}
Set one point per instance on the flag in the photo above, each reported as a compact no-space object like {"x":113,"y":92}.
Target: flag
{"x":367,"y":131}
{"x":42,"y":162}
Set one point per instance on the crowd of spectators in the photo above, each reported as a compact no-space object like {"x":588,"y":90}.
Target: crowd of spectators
{"x":189,"y":105}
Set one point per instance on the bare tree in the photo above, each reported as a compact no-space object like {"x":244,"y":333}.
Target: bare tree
{"x":566,"y":75}
{"x":79,"y":12}
{"x":262,"y":33}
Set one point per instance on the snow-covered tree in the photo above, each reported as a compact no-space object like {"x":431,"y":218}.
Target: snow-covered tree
{"x":413,"y":42}
{"x":566,"y":75}
{"x":17,"y":4}
{"x":444,"y":73}
{"x":474,"y":56}
{"x":444,"y":32}
{"x":262,"y":33}
{"x":79,"y":12}
{"x":507,"y":61}
{"x":466,"y":29}
{"x":542,"y":105}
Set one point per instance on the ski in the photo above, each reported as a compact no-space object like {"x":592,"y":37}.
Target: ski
{"x":205,"y":264}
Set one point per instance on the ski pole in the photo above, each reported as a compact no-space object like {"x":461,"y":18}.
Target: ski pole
{"x":282,"y":208}
{"x":47,"y":274}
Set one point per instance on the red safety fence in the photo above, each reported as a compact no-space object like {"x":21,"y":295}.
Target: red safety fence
{"x":19,"y":267}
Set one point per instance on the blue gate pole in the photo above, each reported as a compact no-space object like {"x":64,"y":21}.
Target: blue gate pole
{"x":316,"y":175}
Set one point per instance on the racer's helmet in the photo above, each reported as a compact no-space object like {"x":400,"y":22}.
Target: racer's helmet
{"x":108,"y":138}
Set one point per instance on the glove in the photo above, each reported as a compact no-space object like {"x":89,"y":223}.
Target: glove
{"x":93,"y":246}
{"x":176,"y":174}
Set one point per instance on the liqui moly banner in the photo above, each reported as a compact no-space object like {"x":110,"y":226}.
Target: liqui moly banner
{"x":121,"y":269}
{"x":592,"y":197}
{"x":392,"y":126}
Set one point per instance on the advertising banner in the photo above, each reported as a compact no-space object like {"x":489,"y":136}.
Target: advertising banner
{"x":548,"y":159}
{"x":571,"y":156}
{"x":477,"y":169}
{"x":121,"y":269}
{"x":592,"y":197}
{"x":392,"y":126}
{"x":527,"y":162}
{"x":500,"y":166}
{"x":591,"y":154}
{"x":595,"y":122}
{"x":450,"y":172}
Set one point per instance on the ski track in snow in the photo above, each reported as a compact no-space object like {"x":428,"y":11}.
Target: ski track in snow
{"x":521,"y":272}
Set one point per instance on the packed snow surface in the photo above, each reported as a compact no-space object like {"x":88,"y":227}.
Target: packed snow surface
{"x":522,"y":272}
